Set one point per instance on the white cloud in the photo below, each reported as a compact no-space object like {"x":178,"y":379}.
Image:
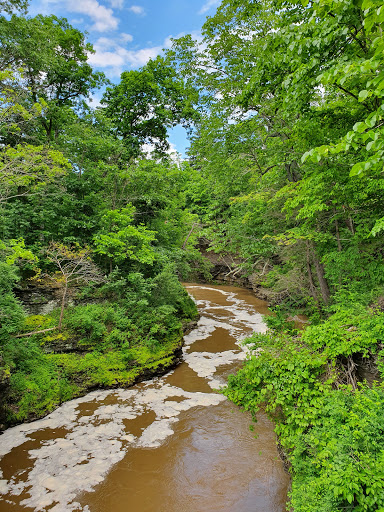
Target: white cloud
{"x":103,"y":59}
{"x":127,"y":38}
{"x":105,"y":56}
{"x":208,"y":5}
{"x":195,"y":34}
{"x":140,"y":57}
{"x":105,"y":43}
{"x":168,"y":42}
{"x":118,"y":4}
{"x":101,"y":16}
{"x":114,"y":58}
{"x":95,"y":100}
{"x":175,"y":156}
{"x":137,"y":9}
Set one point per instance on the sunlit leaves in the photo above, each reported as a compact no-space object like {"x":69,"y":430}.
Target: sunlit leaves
{"x":121,"y":241}
{"x":331,"y":433}
{"x":56,"y":71}
{"x":27,"y":169}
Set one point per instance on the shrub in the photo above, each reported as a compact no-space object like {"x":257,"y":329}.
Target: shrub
{"x":332,"y":433}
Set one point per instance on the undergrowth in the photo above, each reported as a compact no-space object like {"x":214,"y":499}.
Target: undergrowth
{"x":330,"y":424}
{"x":132,"y":326}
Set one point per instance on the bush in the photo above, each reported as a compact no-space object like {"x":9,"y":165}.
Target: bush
{"x":332,"y":433}
{"x":11,"y":311}
{"x":339,"y":462}
{"x":99,"y":324}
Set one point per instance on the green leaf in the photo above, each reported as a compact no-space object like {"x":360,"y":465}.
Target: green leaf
{"x":360,"y":127}
{"x":357,"y":169}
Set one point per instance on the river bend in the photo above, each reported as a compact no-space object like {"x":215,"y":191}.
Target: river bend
{"x":170,"y":444}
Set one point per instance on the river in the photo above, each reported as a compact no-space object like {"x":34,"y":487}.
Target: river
{"x":170,"y":444}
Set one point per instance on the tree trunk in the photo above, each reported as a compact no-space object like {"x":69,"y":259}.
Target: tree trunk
{"x":63,"y":305}
{"x":323,"y":283}
{"x":35,"y":332}
{"x":189,"y":234}
{"x":312,"y":286}
{"x":349,"y":221}
{"x":339,"y":248}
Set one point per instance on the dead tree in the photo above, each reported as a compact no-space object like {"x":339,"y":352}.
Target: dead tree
{"x":75,"y":266}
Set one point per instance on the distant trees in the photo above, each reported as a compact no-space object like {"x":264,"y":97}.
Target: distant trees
{"x":27,"y":169}
{"x":56,"y":71}
{"x":9,"y":6}
{"x":148,"y":101}
{"x":290,"y":144}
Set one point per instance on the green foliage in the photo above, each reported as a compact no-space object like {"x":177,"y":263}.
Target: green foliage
{"x":138,"y":311}
{"x":347,"y":332}
{"x":9,"y":6}
{"x":284,"y":379}
{"x":40,"y":382}
{"x":288,"y":147}
{"x":99,"y":325}
{"x":146,"y":102}
{"x":38,"y":322}
{"x":137,"y":331}
{"x":278,"y":320}
{"x":15,"y":250}
{"x":56,"y":71}
{"x":331,"y":433}
{"x":120,"y":240}
{"x":27,"y":169}
{"x":39,"y":391}
{"x":339,"y":462}
{"x":11,"y":311}
{"x":16,"y":113}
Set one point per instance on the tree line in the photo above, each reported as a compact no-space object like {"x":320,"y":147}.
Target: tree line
{"x":289,"y":148}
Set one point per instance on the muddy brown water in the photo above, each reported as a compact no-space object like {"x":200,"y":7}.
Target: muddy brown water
{"x":170,"y":444}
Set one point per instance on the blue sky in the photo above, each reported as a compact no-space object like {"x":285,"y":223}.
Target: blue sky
{"x":126,"y":34}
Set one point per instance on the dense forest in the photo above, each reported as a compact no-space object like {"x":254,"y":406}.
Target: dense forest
{"x":86,"y":219}
{"x":283,"y":101}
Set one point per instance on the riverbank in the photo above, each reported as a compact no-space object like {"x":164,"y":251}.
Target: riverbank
{"x":327,"y":417}
{"x":167,"y":443}
{"x":229,"y":270}
{"x":83,"y":373}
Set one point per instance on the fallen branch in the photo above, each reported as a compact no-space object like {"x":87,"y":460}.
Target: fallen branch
{"x":189,"y":234}
{"x":35,"y":332}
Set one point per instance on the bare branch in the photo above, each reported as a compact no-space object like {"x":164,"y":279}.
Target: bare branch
{"x":75,"y":266}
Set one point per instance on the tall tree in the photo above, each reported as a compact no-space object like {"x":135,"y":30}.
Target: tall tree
{"x":10,"y":6}
{"x":277,"y":80}
{"x":146,"y":103}
{"x":74,"y":265}
{"x":56,"y":71}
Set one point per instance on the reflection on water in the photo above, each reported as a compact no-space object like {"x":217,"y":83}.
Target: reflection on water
{"x":171,"y":444}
